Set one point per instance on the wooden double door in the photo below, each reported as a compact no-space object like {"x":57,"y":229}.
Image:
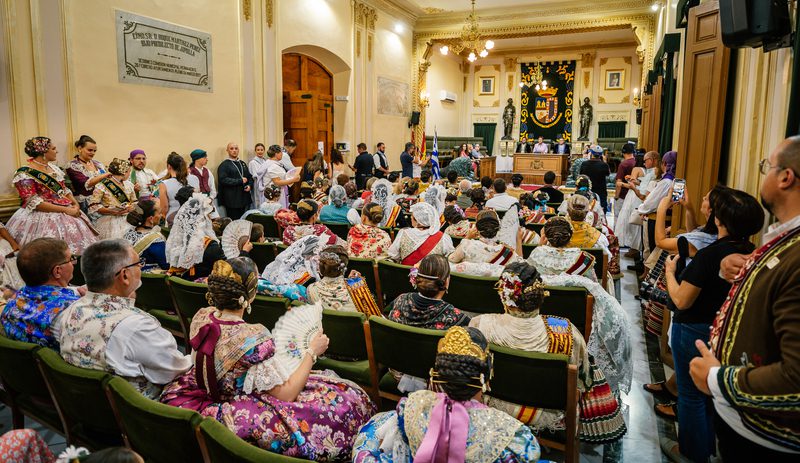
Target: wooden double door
{"x":307,"y":106}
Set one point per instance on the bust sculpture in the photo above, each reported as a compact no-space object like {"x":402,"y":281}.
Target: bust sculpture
{"x":586,"y":119}
{"x":509,"y":112}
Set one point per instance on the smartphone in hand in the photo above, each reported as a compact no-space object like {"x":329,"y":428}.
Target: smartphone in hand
{"x":678,"y":188}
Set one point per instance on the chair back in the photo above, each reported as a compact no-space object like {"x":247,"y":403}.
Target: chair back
{"x":77,"y":274}
{"x":456,"y":241}
{"x":339,"y":229}
{"x":600,"y":262}
{"x":554,"y":205}
{"x":271,"y":229}
{"x":527,"y":249}
{"x":188,"y":298}
{"x":220,"y":444}
{"x":262,"y":254}
{"x":266,"y":310}
{"x":388,"y":230}
{"x":159,"y":433}
{"x":165,"y":232}
{"x":473,"y":293}
{"x":535,"y":227}
{"x":394,"y":280}
{"x":151,"y":295}
{"x":369,"y":270}
{"x":81,"y":401}
{"x":404,"y":348}
{"x":573,"y":303}
{"x":346,"y":333}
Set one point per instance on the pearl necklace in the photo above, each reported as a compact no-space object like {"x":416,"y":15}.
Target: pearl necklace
{"x":41,"y":163}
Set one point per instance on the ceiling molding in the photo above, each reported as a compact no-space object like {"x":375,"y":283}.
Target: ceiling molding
{"x":581,"y":48}
{"x":399,"y":8}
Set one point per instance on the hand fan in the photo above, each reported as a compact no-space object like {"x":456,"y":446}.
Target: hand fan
{"x":293,"y":333}
{"x":231,"y":236}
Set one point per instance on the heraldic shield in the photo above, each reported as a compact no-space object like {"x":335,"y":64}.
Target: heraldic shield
{"x":546,"y":106}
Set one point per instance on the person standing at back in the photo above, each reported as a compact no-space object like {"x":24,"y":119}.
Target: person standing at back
{"x":235,"y":182}
{"x":597,"y":170}
{"x":288,"y":149}
{"x":407,"y":161}
{"x":624,"y":170}
{"x":364,"y":163}
{"x":381,"y":163}
{"x":548,"y":187}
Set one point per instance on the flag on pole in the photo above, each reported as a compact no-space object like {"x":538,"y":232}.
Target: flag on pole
{"x":435,"y":157}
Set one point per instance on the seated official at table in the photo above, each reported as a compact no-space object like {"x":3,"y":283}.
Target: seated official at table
{"x":541,"y":147}
{"x":560,"y":147}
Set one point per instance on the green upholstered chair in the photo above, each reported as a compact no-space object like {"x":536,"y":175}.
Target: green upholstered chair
{"x":527,"y":249}
{"x":368,"y":269}
{"x":600,"y":264}
{"x":554,"y":205}
{"x":262,"y":254}
{"x":159,"y":433}
{"x":153,"y":297}
{"x":271,"y":229}
{"x":279,"y":248}
{"x":266,"y":310}
{"x":219,"y":444}
{"x":347,"y":351}
{"x":393,"y":280}
{"x":535,"y":227}
{"x":188,"y":298}
{"x":339,"y":229}
{"x":399,"y":347}
{"x":473,"y":293}
{"x":77,"y":274}
{"x":81,"y":402}
{"x":573,"y":303}
{"x":518,"y":379}
{"x":25,"y":390}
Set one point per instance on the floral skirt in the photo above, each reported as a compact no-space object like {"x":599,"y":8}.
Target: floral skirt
{"x":24,"y":446}
{"x":111,"y":227}
{"x":320,"y":425}
{"x":26,"y":225}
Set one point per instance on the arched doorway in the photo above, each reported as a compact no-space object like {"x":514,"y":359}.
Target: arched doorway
{"x":307,"y":106}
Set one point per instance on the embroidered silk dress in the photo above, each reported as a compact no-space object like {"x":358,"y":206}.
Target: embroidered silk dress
{"x":396,"y":436}
{"x":109,"y":194}
{"x":414,"y":309}
{"x":293,"y":233}
{"x":408,"y":240}
{"x":367,"y":242}
{"x":459,"y":230}
{"x":79,"y":174}
{"x":27,"y":224}
{"x":319,"y":425}
{"x":483,"y":257}
{"x":332,"y":294}
{"x":24,"y":446}
{"x":600,"y":417}
{"x":31,"y":314}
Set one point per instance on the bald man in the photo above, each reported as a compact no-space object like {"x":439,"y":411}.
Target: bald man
{"x":235,"y":182}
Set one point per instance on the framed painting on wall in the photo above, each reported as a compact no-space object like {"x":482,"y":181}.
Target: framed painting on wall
{"x":615,"y":79}
{"x":486,"y":86}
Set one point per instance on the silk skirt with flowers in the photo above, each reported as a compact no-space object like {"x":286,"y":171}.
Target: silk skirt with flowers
{"x":319,"y":425}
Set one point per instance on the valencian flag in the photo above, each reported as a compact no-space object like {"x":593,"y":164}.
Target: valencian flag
{"x":548,"y":112}
{"x":435,"y":157}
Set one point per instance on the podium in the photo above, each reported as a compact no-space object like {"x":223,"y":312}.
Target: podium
{"x":487,"y":167}
{"x":534,"y":166}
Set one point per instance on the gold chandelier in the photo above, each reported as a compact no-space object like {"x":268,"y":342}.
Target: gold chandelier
{"x":470,"y":40}
{"x":535,"y":79}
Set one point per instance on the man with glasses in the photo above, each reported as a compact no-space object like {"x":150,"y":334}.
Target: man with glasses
{"x":33,"y":314}
{"x":752,"y":370}
{"x":103,"y":330}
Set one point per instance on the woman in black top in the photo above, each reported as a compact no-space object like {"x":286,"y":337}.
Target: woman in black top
{"x":697,"y":297}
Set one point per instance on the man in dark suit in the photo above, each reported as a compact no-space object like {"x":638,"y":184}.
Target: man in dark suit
{"x":523,"y":147}
{"x":555,"y":195}
{"x":364,"y":165}
{"x":560,"y":147}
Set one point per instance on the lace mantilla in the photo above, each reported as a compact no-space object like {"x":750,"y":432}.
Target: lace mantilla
{"x":264,"y":376}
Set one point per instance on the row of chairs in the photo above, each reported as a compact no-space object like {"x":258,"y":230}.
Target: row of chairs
{"x":97,"y":410}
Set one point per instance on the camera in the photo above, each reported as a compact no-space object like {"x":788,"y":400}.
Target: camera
{"x":648,"y":291}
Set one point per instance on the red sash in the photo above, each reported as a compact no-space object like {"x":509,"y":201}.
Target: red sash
{"x":502,"y":257}
{"x":425,"y":248}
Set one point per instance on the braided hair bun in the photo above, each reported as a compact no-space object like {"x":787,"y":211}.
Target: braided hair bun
{"x":558,"y":231}
{"x":433,"y":275}
{"x":333,"y":261}
{"x":532,"y":296}
{"x":232,"y":284}
{"x":462,"y":376}
{"x":373,"y":212}
{"x":487,"y":224}
{"x":453,"y":215}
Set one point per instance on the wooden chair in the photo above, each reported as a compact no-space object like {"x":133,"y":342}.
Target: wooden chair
{"x":399,"y":347}
{"x":262,"y":254}
{"x":574,"y":304}
{"x":188,"y":298}
{"x":473,"y":294}
{"x":393,"y":279}
{"x":271,"y":229}
{"x":220,"y":444}
{"x":159,"y":433}
{"x":81,"y":402}
{"x":339,"y":229}
{"x":26,"y":392}
{"x":518,"y":378}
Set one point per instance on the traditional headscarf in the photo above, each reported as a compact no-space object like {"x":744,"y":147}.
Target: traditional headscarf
{"x":426,"y":216}
{"x":192,"y":226}
{"x":37,"y":146}
{"x":136,"y":152}
{"x":435,"y":196}
{"x":197,"y":154}
{"x":382,"y":194}
{"x":669,"y":163}
{"x":119,"y":166}
{"x":337,"y":195}
{"x":301,"y":256}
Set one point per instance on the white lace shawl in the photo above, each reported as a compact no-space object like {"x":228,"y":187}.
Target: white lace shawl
{"x":426,"y":216}
{"x":302,"y":256}
{"x":435,"y":196}
{"x":509,"y":227}
{"x":382,"y":194}
{"x":185,"y":244}
{"x":610,"y":341}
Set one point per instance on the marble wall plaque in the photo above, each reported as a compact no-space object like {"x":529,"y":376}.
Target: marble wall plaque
{"x":154,"y":52}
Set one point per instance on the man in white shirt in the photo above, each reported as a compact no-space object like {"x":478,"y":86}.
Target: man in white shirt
{"x":272,"y":172}
{"x":381,"y":163}
{"x":142,"y":178}
{"x":288,"y":149}
{"x":501,"y":201}
{"x":104,"y":330}
{"x":540,"y":147}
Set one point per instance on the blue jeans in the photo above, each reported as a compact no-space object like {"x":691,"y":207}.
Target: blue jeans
{"x":695,"y":409}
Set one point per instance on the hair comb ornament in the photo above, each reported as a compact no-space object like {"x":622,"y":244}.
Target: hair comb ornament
{"x":458,"y":342}
{"x":224,"y":269}
{"x":537,"y":286}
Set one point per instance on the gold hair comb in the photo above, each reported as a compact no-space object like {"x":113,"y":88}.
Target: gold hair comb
{"x":457,"y":342}
{"x":538,"y":285}
{"x":223,"y":269}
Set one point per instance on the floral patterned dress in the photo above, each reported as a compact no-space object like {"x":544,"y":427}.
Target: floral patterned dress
{"x":459,"y":230}
{"x":79,"y":174}
{"x":24,"y":446}
{"x":29,"y":315}
{"x":36,"y":187}
{"x":319,"y":425}
{"x":367,"y":242}
{"x":414,"y":309}
{"x":109,"y":194}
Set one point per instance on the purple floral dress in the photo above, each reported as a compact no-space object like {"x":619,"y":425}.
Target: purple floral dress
{"x":319,"y":425}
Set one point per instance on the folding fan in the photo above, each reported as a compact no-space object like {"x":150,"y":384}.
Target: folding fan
{"x":293,"y":333}
{"x":231,"y":236}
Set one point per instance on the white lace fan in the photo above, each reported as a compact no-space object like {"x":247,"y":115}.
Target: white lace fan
{"x":293,"y":334}
{"x":231,"y":236}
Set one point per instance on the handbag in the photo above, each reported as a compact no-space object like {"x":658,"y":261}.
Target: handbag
{"x":635,"y":218}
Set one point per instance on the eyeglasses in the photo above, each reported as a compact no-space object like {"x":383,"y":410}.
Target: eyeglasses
{"x":764,"y":166}
{"x":72,"y":259}
{"x":139,"y":263}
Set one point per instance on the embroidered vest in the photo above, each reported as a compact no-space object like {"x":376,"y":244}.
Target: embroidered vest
{"x":204,"y":177}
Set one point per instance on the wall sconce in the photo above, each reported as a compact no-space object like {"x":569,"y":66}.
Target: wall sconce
{"x":424,"y":99}
{"x":636,"y":99}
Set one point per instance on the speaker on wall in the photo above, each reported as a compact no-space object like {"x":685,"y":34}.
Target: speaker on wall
{"x":415,"y":118}
{"x":755,"y":23}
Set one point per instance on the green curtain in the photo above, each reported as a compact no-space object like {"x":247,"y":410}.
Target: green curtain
{"x":611,"y":129}
{"x":486,"y":131}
